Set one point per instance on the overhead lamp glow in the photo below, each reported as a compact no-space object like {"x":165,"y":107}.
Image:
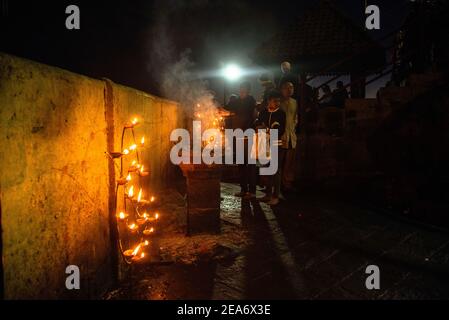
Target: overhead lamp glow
{"x":232,"y":72}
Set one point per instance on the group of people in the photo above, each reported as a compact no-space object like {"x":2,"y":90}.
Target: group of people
{"x":334,"y":98}
{"x":277,"y":110}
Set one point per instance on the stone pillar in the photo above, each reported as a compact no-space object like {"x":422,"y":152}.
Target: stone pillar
{"x":203,"y":198}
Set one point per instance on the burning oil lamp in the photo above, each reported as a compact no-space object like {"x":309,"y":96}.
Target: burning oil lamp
{"x":143,"y":219}
{"x":122,"y":216}
{"x":139,"y":196}
{"x":148,"y":232}
{"x":142,"y":173}
{"x":154,"y":218}
{"x":139,"y":257}
{"x":132,"y":123}
{"x":134,"y":166}
{"x":136,"y":250}
{"x":139,"y":199}
{"x":123,"y":181}
{"x":130,"y":193}
{"x":133,"y":227}
{"x":128,"y":253}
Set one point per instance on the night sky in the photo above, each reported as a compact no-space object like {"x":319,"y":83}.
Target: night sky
{"x":132,"y":42}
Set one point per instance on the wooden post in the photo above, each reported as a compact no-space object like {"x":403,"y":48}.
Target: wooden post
{"x":113,"y":232}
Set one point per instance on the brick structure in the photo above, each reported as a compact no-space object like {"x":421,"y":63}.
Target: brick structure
{"x":203,"y":197}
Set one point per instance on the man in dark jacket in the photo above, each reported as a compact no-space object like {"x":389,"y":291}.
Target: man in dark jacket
{"x":244,"y":108}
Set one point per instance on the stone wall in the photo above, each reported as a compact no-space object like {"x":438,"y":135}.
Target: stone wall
{"x":56,"y":183}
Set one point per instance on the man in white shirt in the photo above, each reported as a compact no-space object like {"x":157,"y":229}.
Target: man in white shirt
{"x":289,"y":139}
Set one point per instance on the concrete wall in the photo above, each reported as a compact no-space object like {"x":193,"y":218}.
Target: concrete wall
{"x":55,"y":180}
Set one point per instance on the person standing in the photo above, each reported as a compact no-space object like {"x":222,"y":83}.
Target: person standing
{"x":289,"y":139}
{"x":243,"y":108}
{"x":287,"y":76}
{"x":273,"y":118}
{"x":339,"y":95}
{"x":267,"y":86}
{"x":326,"y":99}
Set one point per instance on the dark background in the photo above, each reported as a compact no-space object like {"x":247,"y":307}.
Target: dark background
{"x":133,"y":42}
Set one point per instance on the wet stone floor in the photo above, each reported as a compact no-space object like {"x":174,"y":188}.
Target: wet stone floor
{"x":308,"y":247}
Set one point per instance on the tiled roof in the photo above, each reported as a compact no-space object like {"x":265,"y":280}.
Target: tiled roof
{"x":322,"y":32}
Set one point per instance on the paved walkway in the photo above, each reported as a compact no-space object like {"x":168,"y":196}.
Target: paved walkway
{"x":310,"y":248}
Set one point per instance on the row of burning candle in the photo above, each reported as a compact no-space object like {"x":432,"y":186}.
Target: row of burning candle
{"x":140,"y":221}
{"x":137,"y":253}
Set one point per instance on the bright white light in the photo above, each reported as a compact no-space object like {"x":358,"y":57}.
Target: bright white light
{"x":232,"y":72}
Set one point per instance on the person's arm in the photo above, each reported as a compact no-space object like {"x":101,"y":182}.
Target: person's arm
{"x":229,"y":106}
{"x":261,"y":120}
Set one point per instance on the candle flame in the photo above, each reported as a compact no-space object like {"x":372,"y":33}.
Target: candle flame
{"x":132,"y":226}
{"x":156,"y":215}
{"x":128,"y":177}
{"x":142,"y":141}
{"x":134,"y":121}
{"x":136,"y":250}
{"x":141,"y":169}
{"x":140,"y":195}
{"x":131,"y":192}
{"x":146,"y":242}
{"x":142,"y":255}
{"x":121,"y":215}
{"x":133,"y":147}
{"x":152,"y":199}
{"x":126,"y":151}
